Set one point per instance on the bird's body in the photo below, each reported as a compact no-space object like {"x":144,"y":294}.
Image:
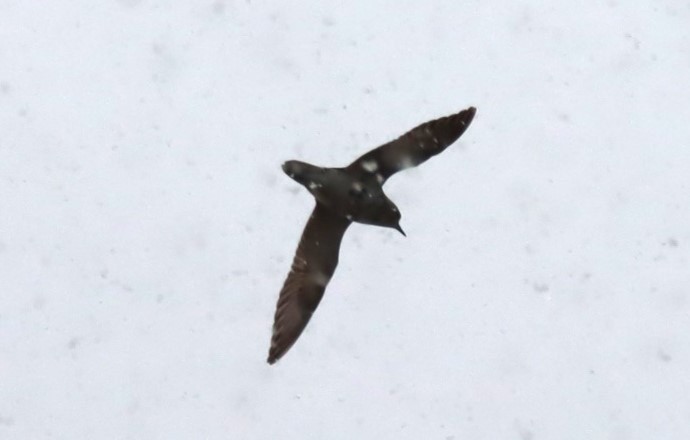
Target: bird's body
{"x":358,"y":197}
{"x":343,"y":195}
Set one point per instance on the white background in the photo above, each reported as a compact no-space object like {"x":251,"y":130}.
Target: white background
{"x":146,"y":227}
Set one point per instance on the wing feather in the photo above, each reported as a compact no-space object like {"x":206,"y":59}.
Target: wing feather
{"x":415,"y":146}
{"x":312,"y":268}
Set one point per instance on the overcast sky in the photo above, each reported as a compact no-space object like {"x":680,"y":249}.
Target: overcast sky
{"x":543,"y":289}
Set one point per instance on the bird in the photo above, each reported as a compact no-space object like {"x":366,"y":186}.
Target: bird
{"x":345,"y":195}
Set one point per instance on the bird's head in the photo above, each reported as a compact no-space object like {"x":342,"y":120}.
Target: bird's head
{"x":390,"y":217}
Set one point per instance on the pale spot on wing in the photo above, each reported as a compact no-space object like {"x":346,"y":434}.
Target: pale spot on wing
{"x":405,"y":162}
{"x":370,"y":165}
{"x":357,"y":186}
{"x":379,"y":178}
{"x":299,"y":264}
{"x":320,"y":278}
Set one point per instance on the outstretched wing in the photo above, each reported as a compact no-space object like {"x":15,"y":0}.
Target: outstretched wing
{"x":415,"y":146}
{"x":314,"y":263}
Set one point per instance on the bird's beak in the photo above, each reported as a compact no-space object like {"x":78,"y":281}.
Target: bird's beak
{"x":399,"y":229}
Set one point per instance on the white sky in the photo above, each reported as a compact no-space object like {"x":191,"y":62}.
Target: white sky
{"x":146,"y":227}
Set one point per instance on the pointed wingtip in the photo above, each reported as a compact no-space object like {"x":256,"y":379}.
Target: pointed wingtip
{"x":272,"y":357}
{"x":461,"y":121}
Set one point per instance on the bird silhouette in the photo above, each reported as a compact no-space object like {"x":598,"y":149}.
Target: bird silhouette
{"x":346,"y":195}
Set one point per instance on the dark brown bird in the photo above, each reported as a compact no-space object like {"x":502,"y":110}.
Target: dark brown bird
{"x":343,"y":195}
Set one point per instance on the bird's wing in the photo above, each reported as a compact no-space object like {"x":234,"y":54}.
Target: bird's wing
{"x":415,"y":146}
{"x":314,"y":263}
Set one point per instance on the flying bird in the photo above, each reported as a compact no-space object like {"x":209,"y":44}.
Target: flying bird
{"x":345,"y":195}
